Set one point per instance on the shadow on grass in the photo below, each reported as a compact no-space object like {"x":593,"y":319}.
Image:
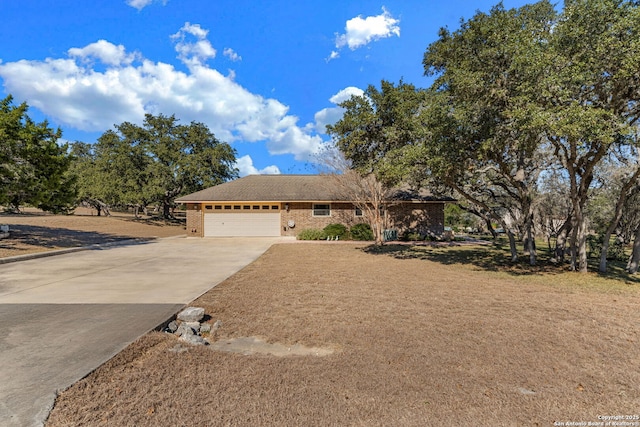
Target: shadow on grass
{"x":48,"y":237}
{"x":155,"y":221}
{"x":492,"y":257}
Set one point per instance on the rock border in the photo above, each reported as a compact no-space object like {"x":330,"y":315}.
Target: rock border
{"x":190,"y":326}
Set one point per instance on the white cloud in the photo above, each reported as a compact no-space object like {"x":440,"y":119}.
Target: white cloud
{"x":105,"y":52}
{"x":346,"y":94}
{"x":193,"y":53}
{"x":329,"y":116}
{"x":333,"y":55}
{"x":296,"y":141}
{"x":231,"y":54}
{"x":362,"y":31}
{"x":193,"y":29}
{"x":102,"y":84}
{"x":141,"y":4}
{"x":245,"y":167}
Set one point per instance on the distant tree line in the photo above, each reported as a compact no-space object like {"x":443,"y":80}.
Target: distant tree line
{"x":131,"y":166}
{"x":531,"y":123}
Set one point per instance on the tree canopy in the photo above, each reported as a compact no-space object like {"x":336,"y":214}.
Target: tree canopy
{"x":519,"y":96}
{"x":136,"y":166}
{"x":33,"y":165}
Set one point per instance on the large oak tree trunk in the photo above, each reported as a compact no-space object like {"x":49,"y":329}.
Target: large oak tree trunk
{"x":530,"y":239}
{"x":622,"y":198}
{"x":512,"y":246}
{"x":579,"y":242}
{"x":634,"y":260}
{"x":561,"y":241}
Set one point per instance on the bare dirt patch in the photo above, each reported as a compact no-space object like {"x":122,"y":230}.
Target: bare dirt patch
{"x":255,"y":345}
{"x":417,"y":342}
{"x":36,"y":231}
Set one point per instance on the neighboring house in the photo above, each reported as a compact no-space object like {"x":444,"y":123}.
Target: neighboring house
{"x":283,"y":205}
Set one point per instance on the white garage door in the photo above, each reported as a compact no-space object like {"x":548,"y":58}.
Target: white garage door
{"x":242,"y":224}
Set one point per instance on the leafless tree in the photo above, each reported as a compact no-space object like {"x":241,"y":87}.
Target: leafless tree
{"x":366,"y":192}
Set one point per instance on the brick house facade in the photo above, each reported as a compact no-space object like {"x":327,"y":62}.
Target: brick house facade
{"x":283,"y":205}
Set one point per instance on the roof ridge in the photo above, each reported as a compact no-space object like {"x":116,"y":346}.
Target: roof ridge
{"x":287,"y":188}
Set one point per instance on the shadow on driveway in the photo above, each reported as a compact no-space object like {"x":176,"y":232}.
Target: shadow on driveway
{"x":48,"y":237}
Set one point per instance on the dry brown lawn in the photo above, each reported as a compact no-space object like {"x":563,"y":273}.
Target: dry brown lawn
{"x":418,"y":341}
{"x":35,"y":231}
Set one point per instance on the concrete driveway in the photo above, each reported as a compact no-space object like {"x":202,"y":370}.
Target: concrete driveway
{"x":63,"y":316}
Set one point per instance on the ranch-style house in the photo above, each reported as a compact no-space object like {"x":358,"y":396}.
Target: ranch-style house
{"x":283,"y":205}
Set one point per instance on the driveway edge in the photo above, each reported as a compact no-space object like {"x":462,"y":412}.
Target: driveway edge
{"x":44,"y":254}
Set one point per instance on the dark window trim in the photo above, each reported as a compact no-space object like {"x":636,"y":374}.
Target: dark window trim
{"x":318,"y":211}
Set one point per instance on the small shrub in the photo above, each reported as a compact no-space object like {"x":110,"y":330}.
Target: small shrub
{"x":616,"y":251}
{"x":432,"y":237}
{"x":616,"y":248}
{"x":594,"y":246}
{"x":311,"y":234}
{"x":333,"y":230}
{"x":411,"y":236}
{"x":361,"y":231}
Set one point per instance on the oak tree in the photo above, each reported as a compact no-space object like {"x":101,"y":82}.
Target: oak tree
{"x":33,"y":164}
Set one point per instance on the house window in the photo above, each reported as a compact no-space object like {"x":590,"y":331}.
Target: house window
{"x":321,"y":210}
{"x":358,"y":211}
{"x":246,"y":207}
{"x":236,"y":207}
{"x":227,"y":207}
{"x":274,"y":207}
{"x":208,"y":207}
{"x":218,"y":207}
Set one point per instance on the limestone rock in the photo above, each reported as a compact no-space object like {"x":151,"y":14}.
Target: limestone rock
{"x":192,"y":339}
{"x":172,"y":326}
{"x":191,"y":314}
{"x":184,"y":329}
{"x":193,"y":325}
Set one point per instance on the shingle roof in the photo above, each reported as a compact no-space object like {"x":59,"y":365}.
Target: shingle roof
{"x":268,"y":188}
{"x":285,"y":188}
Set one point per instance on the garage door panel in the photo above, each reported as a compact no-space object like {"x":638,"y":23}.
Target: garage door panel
{"x":241,"y":224}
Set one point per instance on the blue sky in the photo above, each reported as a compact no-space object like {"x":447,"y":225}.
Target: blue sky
{"x":263,"y":76}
